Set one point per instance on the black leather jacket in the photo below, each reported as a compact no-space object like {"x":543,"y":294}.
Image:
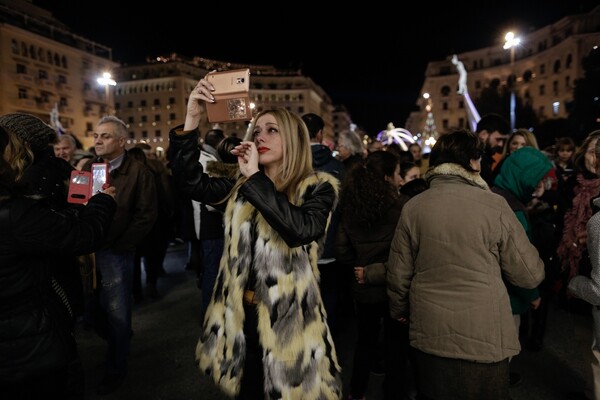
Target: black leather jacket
{"x":293,"y":224}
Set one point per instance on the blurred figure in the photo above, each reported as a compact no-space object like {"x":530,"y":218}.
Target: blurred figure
{"x":519,"y":138}
{"x":153,"y":248}
{"x":332,"y":280}
{"x":564,"y":150}
{"x":38,"y":347}
{"x":409,"y":171}
{"x":452,"y":247}
{"x":208,"y":220}
{"x":572,"y":248}
{"x":211,"y":229}
{"x":135,"y":217}
{"x":65,"y":148}
{"x":370,"y":208}
{"x":419,"y":158}
{"x":588,"y":288}
{"x":351,"y":149}
{"x":492,"y":130}
{"x":521,"y":178}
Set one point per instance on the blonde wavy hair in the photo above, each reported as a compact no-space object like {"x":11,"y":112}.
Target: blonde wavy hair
{"x":297,"y":156}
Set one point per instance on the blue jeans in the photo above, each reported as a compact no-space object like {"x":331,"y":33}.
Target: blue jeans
{"x":113,"y":317}
{"x":212,"y":250}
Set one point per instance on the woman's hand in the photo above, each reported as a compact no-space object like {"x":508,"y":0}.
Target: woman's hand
{"x":201,"y":92}
{"x":247,"y":158}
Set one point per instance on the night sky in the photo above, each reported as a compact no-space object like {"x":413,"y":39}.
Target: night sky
{"x":370,"y":58}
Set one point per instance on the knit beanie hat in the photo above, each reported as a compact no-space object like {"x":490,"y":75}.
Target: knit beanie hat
{"x":29,"y":129}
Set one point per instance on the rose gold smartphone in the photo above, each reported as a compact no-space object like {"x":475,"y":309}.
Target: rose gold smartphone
{"x":232,"y":101}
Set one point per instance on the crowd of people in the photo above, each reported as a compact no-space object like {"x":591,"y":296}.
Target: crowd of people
{"x":446,"y":261}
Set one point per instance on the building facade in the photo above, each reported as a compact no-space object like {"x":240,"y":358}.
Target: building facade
{"x":541,"y":71}
{"x":43,"y":66}
{"x":152,"y":97}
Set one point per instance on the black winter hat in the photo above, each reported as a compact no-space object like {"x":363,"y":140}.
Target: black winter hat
{"x":29,"y":129}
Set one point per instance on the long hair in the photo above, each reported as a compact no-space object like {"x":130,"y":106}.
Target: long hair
{"x":17,"y":154}
{"x":579,"y":156}
{"x":366,"y":195}
{"x":529,"y":137}
{"x":16,"y":157}
{"x":297,"y":156}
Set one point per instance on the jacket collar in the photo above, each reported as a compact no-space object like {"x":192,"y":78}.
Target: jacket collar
{"x":451,"y":169}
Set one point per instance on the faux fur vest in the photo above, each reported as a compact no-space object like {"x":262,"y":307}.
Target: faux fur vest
{"x":299,"y":357}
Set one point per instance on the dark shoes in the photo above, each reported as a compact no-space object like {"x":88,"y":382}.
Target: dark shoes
{"x":109,"y":384}
{"x":515,"y":379}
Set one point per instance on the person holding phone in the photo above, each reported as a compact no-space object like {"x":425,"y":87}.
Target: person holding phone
{"x":265,"y":330}
{"x":38,"y":347}
{"x":136,"y":214}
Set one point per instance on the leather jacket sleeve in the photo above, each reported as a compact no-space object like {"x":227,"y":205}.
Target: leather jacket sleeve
{"x":297,"y":225}
{"x":184,"y":156}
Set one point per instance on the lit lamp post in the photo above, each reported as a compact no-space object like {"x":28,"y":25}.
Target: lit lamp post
{"x":430,"y":130}
{"x":511,"y":42}
{"x":106,"y":80}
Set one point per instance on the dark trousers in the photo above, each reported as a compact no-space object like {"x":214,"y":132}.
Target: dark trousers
{"x":442,"y":378}
{"x":400,"y":363}
{"x":252,"y":387}
{"x":371,"y":318}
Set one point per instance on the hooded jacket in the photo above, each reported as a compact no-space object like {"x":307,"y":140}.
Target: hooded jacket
{"x":280,"y":244}
{"x":453,"y":244}
{"x":520,"y":173}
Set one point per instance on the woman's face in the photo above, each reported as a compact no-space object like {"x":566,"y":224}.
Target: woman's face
{"x":268,"y":141}
{"x":412,"y":174}
{"x":416,"y":152}
{"x":590,"y":156}
{"x":516,"y":143}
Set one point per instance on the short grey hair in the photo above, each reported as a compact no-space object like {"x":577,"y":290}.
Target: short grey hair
{"x":121,"y":127}
{"x":68,"y":138}
{"x":352,"y":141}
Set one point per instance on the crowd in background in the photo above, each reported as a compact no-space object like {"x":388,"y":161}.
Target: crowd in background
{"x":403,"y":227}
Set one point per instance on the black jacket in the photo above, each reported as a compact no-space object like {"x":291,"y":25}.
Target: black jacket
{"x":323,"y":160}
{"x":33,"y":337}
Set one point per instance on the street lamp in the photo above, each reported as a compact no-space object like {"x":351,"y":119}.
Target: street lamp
{"x":511,"y":42}
{"x":106,"y":80}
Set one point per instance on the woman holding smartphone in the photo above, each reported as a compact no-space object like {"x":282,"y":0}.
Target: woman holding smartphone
{"x":265,"y":332}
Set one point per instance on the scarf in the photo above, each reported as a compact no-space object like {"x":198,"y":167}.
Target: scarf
{"x":575,"y":220}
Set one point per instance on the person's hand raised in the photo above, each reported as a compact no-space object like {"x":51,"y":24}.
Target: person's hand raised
{"x":247,"y":155}
{"x":202,"y":92}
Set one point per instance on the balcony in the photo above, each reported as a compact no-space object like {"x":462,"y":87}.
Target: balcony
{"x":26,"y":103}
{"x":89,"y":112}
{"x":24,"y":78}
{"x":63,"y":87}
